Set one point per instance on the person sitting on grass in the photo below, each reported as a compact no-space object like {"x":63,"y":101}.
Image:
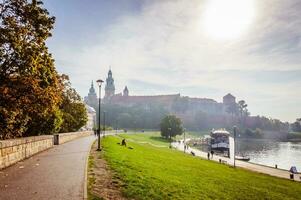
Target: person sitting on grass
{"x":123,"y":142}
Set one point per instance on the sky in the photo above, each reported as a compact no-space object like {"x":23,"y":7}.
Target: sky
{"x":198,"y":48}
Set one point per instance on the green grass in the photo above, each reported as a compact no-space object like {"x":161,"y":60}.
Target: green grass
{"x":148,"y":172}
{"x":153,"y":138}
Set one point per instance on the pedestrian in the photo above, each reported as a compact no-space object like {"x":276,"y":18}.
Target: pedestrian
{"x":208,"y":155}
{"x":212,"y":154}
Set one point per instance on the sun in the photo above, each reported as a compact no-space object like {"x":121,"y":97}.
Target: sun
{"x":228,"y":19}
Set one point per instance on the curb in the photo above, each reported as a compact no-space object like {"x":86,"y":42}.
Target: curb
{"x":86,"y":173}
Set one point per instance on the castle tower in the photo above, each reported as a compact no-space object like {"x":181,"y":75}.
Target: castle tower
{"x":229,"y":104}
{"x":91,"y":99}
{"x":110,"y":87}
{"x":126,"y":92}
{"x":229,"y":99}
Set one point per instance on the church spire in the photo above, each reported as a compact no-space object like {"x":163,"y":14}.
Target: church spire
{"x":126,"y":91}
{"x":92,"y":90}
{"x":110,"y":86}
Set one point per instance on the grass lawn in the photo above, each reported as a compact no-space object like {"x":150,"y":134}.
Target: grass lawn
{"x":148,"y":172}
{"x":147,"y":137}
{"x":155,"y":138}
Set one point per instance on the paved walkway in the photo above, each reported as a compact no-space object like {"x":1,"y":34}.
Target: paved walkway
{"x":57,"y":173}
{"x":250,"y":166}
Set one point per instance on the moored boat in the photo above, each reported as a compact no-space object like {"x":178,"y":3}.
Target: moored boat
{"x":242,"y":158}
{"x":220,"y":140}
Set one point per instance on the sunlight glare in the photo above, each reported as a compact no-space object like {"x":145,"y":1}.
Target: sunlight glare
{"x":228,"y":19}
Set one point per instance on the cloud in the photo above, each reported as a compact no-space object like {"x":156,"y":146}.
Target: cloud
{"x":162,"y":47}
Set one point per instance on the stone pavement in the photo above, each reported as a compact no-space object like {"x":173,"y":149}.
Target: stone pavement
{"x":58,"y":173}
{"x":247,"y":165}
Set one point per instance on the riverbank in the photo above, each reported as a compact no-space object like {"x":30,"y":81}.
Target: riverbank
{"x":147,"y":171}
{"x":247,"y":165}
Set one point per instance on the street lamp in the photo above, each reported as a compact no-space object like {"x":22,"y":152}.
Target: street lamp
{"x":184,"y":140}
{"x":234,"y":133}
{"x":169,"y":130}
{"x":99,"y":82}
{"x":104,"y":123}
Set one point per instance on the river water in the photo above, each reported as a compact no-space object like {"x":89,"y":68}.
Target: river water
{"x":265,"y":152}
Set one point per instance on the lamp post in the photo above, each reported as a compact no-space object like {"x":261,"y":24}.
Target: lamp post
{"x":104,"y":123}
{"x":99,"y":82}
{"x":169,"y":130}
{"x":184,"y":140}
{"x":234,"y":133}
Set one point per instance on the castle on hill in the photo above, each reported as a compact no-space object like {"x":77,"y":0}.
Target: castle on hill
{"x":174,"y":103}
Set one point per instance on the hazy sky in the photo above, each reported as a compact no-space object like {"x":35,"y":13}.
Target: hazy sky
{"x":250,"y":48}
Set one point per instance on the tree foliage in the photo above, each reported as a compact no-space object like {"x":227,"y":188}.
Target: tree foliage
{"x":29,"y":84}
{"x":133,"y":117}
{"x":296,"y":126}
{"x":73,"y":109}
{"x":242,"y":108}
{"x":171,"y":126}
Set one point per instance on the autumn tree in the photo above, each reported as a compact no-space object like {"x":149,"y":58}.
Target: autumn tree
{"x":73,"y":109}
{"x":30,"y":90}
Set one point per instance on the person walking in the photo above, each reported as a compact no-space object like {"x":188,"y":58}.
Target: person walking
{"x":212,"y":152}
{"x":208,"y":155}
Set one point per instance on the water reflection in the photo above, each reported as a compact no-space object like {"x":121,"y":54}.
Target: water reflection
{"x":284,"y":154}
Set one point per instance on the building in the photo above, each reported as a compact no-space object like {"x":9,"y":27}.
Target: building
{"x":91,"y":118}
{"x":110,"y":86}
{"x":229,"y":99}
{"x":174,"y":103}
{"x":91,"y":99}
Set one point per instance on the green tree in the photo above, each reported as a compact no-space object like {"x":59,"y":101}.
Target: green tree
{"x":232,"y":109}
{"x":73,"y":109}
{"x":242,"y":108}
{"x":125,"y":120}
{"x":171,"y":126}
{"x":30,"y":90}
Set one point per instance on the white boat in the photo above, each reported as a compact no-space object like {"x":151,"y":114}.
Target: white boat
{"x":243,"y":158}
{"x":220,"y":140}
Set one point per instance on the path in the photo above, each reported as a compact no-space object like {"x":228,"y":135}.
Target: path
{"x":58,"y":173}
{"x":250,"y":166}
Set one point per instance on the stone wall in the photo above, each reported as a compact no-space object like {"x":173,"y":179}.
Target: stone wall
{"x":12,"y":151}
{"x":66,"y":137}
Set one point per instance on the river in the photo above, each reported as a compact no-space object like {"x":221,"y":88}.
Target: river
{"x":265,"y":152}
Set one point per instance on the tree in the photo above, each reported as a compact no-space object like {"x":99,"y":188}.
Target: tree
{"x":232,"y":109}
{"x":171,"y":126}
{"x":242,"y":108}
{"x":125,"y":120}
{"x":73,"y":109}
{"x":30,"y":90}
{"x":296,"y":126}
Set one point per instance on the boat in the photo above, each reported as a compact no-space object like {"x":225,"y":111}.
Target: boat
{"x":242,"y":158}
{"x":220,"y":140}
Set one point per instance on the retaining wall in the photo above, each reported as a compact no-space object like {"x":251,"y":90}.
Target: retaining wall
{"x":66,"y":137}
{"x":12,"y":151}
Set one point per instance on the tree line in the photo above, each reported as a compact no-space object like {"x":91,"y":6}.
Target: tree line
{"x":142,"y":116}
{"x":34,"y":98}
